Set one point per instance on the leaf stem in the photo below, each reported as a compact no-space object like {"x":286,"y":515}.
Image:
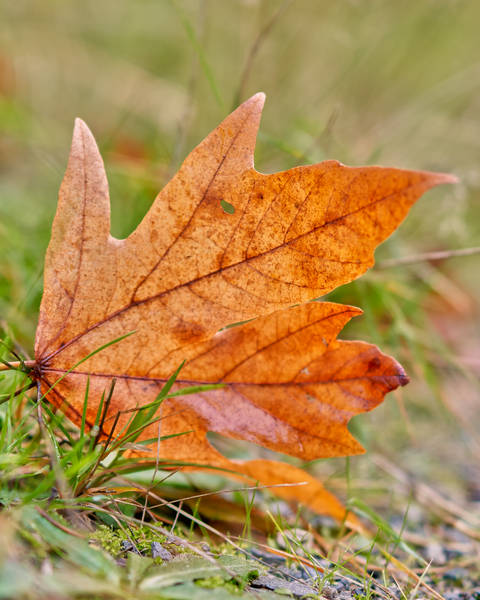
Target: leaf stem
{"x":17,"y":365}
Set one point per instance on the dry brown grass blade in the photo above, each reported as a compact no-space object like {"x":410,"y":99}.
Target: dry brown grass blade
{"x":422,"y":490}
{"x":255,"y":48}
{"x":426,"y":256}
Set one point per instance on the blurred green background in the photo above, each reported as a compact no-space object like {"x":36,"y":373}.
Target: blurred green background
{"x":361,"y":81}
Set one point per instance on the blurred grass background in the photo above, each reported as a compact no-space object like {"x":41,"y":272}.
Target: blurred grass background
{"x":361,"y":81}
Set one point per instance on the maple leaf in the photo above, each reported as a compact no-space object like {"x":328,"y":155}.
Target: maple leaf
{"x":191,"y":268}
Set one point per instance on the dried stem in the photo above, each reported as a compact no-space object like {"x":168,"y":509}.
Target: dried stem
{"x":428,"y":496}
{"x":16,"y":365}
{"x":186,"y":118}
{"x":416,"y":258}
{"x":255,"y":47}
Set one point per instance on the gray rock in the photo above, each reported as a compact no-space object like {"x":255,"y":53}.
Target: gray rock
{"x":172,"y":539}
{"x":435,"y":553}
{"x":267,"y":557}
{"x":158,"y":551}
{"x":299,"y":590}
{"x":309,"y":573}
{"x":452,"y":596}
{"x":457,"y":573}
{"x":127,"y":546}
{"x":290,"y":574}
{"x":329,"y":592}
{"x":345,"y":596}
{"x":206,"y":548}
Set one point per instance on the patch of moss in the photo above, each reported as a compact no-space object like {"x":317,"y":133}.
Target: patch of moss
{"x":234,"y":587}
{"x":108,"y":540}
{"x":111,"y":541}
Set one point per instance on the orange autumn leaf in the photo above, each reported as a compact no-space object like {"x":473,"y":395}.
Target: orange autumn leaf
{"x":191,"y":268}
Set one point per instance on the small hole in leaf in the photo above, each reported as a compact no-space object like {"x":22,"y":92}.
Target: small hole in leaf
{"x":228,"y":208}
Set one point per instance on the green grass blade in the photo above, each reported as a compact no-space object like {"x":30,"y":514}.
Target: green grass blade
{"x":86,"y":358}
{"x":200,"y":53}
{"x":84,"y":412}
{"x":57,"y":422}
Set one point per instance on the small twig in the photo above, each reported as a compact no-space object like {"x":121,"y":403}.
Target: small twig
{"x":255,"y":47}
{"x":107,"y":405}
{"x":110,"y":435}
{"x":176,"y":517}
{"x":416,"y":258}
{"x":16,"y":366}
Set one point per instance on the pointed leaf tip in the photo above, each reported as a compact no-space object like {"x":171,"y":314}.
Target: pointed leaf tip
{"x":356,"y":312}
{"x":257,"y":100}
{"x":81,"y":128}
{"x":450,"y":178}
{"x":441,"y":178}
{"x":259,"y":97}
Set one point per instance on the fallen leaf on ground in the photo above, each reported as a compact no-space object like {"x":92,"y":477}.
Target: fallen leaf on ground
{"x":191,"y":268}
